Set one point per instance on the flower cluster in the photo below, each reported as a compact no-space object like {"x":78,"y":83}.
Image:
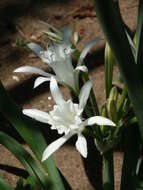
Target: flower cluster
{"x":66,"y":117}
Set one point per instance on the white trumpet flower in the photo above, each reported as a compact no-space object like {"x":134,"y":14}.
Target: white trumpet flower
{"x":66,"y":118}
{"x":59,"y":58}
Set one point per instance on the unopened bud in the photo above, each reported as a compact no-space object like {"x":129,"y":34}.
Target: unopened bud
{"x":113,"y":94}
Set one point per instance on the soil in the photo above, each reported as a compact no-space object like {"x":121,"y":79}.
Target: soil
{"x":30,"y":26}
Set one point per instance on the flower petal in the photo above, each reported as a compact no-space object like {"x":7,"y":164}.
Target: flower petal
{"x":82,"y":68}
{"x":99,"y":120}
{"x":84,"y":93}
{"x":55,"y":146}
{"x":57,"y":96}
{"x":89,"y":45}
{"x":75,"y":37}
{"x":40,"y":80}
{"x":66,"y":34}
{"x":81,"y":145}
{"x":33,"y":70}
{"x":37,"y":114}
{"x":35,"y":48}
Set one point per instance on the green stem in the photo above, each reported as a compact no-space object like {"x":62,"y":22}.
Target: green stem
{"x":93,"y":104}
{"x":108,"y":171}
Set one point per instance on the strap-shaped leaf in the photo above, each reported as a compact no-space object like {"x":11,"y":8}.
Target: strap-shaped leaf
{"x":113,"y":27}
{"x":139,"y":36}
{"x":30,"y":133}
{"x":26,"y":159}
{"x":4,"y":185}
{"x":121,"y":103}
{"x":14,"y":170}
{"x":132,"y":152}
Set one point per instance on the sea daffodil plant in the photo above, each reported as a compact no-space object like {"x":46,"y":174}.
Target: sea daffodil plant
{"x":122,"y":106}
{"x":66,"y":117}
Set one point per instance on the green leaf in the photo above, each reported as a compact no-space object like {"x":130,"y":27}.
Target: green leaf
{"x":30,"y":182}
{"x":30,"y":133}
{"x":66,"y":184}
{"x":139,"y":36}
{"x":5,"y":185}
{"x":19,"y":184}
{"x":26,"y":159}
{"x":121,"y":103}
{"x":109,"y":62}
{"x":28,"y":185}
{"x":132,"y":152}
{"x":114,"y":30}
{"x":14,"y":170}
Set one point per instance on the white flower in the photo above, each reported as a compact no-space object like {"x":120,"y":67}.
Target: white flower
{"x":66,"y":118}
{"x":59,"y":58}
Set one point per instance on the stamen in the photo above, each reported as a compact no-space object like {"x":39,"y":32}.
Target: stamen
{"x":66,"y":51}
{"x":53,"y":57}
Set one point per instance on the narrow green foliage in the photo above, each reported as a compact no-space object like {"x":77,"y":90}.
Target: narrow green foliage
{"x":131,"y":121}
{"x":20,"y":184}
{"x":109,"y":15}
{"x":113,"y":94}
{"x":5,"y":185}
{"x":28,"y":185}
{"x":114,"y":30}
{"x":121,"y":103}
{"x":104,"y":113}
{"x":132,"y":152}
{"x":28,"y":162}
{"x":139,"y":36}
{"x":20,"y":41}
{"x":109,"y":61}
{"x":111,"y":104}
{"x":14,"y":170}
{"x":112,"y":110}
{"x":30,"y":133}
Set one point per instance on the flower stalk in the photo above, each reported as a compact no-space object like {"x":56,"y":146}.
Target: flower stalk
{"x":66,"y":117}
{"x":108,"y":171}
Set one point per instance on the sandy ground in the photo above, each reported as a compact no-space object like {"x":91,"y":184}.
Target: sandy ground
{"x":82,"y":18}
